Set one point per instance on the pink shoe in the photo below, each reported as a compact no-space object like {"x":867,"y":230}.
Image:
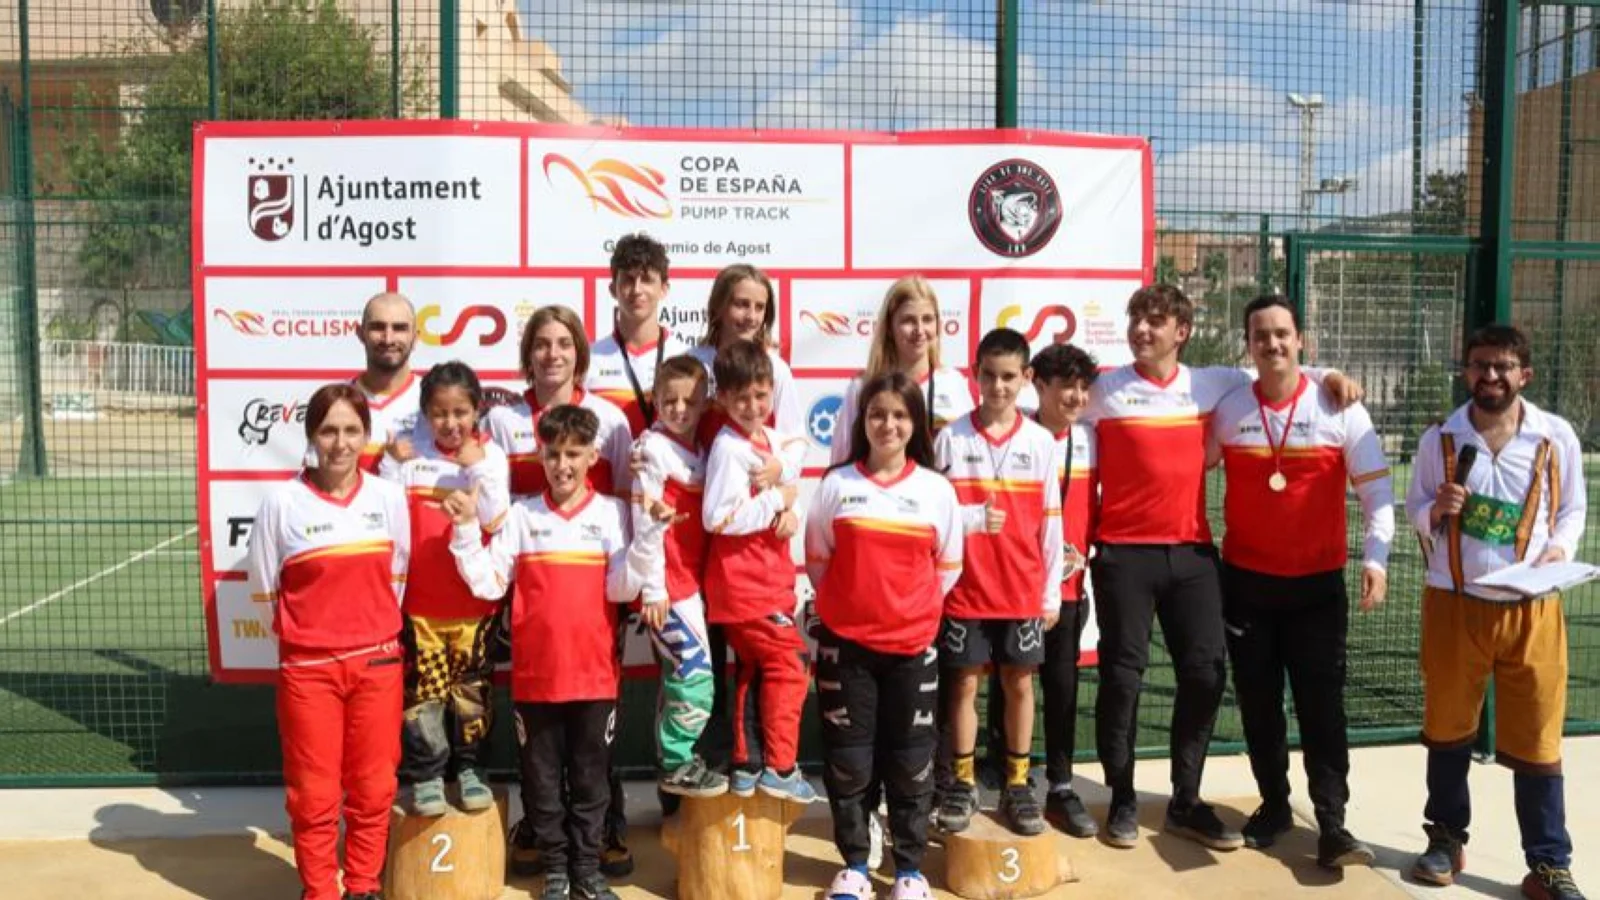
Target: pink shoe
{"x":911,"y":887}
{"x":850,"y":885}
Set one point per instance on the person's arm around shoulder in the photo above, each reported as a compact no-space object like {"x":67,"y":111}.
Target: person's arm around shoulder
{"x":487,"y":466}
{"x":486,"y":569}
{"x":728,"y":507}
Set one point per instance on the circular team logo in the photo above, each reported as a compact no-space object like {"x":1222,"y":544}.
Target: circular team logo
{"x":1015,"y":208}
{"x":822,"y":418}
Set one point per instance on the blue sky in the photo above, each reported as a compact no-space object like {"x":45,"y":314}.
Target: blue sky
{"x":1206,"y":79}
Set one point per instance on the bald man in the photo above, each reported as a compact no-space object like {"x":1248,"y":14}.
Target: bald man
{"x":388,"y":332}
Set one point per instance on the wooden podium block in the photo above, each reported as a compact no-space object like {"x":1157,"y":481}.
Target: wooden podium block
{"x":989,"y":861}
{"x":457,"y":856}
{"x":730,"y":847}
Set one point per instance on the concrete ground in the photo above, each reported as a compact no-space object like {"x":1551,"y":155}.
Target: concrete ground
{"x":228,"y":843}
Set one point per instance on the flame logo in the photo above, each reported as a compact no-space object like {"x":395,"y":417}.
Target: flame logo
{"x":636,"y":192}
{"x":246,"y":323}
{"x":836,"y":324}
{"x":1070,"y":322}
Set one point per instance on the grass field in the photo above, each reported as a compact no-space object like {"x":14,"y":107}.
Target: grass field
{"x":103,"y":672}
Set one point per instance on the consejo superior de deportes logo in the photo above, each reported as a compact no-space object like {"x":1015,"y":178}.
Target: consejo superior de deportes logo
{"x":1014,"y":208}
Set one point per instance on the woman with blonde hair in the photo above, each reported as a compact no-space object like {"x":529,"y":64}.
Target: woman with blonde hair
{"x":744,"y":307}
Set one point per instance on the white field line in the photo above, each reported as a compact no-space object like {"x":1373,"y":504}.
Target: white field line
{"x":85,"y":582}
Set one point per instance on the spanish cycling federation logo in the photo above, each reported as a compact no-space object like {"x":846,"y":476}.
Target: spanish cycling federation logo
{"x":1015,"y":208}
{"x":270,"y":204}
{"x":628,"y":190}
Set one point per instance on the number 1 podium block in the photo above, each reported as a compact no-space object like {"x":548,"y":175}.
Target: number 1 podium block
{"x":729,"y":846}
{"x":457,"y":856}
{"x":989,"y":861}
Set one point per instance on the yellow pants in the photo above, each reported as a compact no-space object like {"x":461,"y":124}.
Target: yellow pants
{"x":1524,"y":646}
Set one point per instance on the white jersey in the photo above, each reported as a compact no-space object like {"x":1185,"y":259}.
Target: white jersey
{"x":393,"y":414}
{"x":1522,"y":500}
{"x":515,"y":427}
{"x":951,"y":393}
{"x":609,"y":367}
{"x":673,"y":472}
{"x":786,"y":414}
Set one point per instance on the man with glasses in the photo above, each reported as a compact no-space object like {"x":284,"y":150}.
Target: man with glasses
{"x":1498,"y":483}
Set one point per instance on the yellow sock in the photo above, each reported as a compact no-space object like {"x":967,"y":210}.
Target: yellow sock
{"x":1017,"y":765}
{"x":966,"y":769}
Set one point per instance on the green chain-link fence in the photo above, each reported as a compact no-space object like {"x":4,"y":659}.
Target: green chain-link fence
{"x":1334,"y":150}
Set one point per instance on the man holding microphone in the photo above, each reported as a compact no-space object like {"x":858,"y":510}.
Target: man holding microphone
{"x":1499,"y":482}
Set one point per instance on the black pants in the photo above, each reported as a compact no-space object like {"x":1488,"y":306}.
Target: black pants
{"x":1058,"y":678}
{"x":570,"y":742}
{"x":1293,"y":626}
{"x":1135,"y":584}
{"x":877,"y":727}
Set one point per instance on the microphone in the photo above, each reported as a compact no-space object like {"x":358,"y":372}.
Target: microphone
{"x":1464,"y":461}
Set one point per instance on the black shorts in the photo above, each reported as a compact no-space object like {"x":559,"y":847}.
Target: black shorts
{"x":967,"y":643}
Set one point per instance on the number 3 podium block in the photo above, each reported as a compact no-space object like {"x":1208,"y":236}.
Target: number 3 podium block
{"x":729,"y":846}
{"x":456,"y":856}
{"x":989,"y":861}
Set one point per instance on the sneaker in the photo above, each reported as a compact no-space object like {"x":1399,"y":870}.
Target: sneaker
{"x":875,"y":842}
{"x":1546,"y":882}
{"x":956,"y":810}
{"x":427,"y":798}
{"x":911,"y":887}
{"x":475,"y":795}
{"x":1019,"y":806}
{"x":1445,"y":856}
{"x":693,"y":779}
{"x":522,"y":855}
{"x":593,"y":887}
{"x":1337,"y":848}
{"x":1064,"y":809}
{"x":1122,"y":826}
{"x":556,"y":887}
{"x":616,"y":860}
{"x":1199,"y":823}
{"x":792,"y":786}
{"x":742,"y":783}
{"x":850,"y":885}
{"x":1268,"y":822}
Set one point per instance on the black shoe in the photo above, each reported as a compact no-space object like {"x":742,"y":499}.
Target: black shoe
{"x":1446,"y":855}
{"x":616,"y":860}
{"x":1547,"y":882}
{"x":556,"y":887}
{"x":955,"y":811}
{"x":1122,"y":825}
{"x":1337,"y":848}
{"x":1019,"y":806}
{"x":1199,"y":823}
{"x":1266,"y":823}
{"x":593,"y":887}
{"x":1064,"y":810}
{"x":522,"y":856}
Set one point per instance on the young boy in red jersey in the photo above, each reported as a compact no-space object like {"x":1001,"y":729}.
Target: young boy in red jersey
{"x":1003,"y":467}
{"x":749,"y":581}
{"x":567,"y":551}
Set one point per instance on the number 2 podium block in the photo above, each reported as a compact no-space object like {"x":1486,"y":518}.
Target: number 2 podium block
{"x":457,"y":856}
{"x":729,"y":846}
{"x":989,"y":861}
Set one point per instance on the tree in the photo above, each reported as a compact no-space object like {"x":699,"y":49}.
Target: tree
{"x":1443,"y":209}
{"x":276,"y":60}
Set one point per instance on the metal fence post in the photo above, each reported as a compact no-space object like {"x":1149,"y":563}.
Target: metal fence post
{"x":1264,"y":258}
{"x":1007,"y":34}
{"x":449,"y":60}
{"x":213,"y":63}
{"x":33,"y":459}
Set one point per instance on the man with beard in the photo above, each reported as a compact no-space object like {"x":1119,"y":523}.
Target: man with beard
{"x":1499,"y":482}
{"x":388,"y":332}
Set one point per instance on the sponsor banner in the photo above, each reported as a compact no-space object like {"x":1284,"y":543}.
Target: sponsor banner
{"x":765,"y":203}
{"x":234,"y":505}
{"x":835,"y":320}
{"x":258,"y":425}
{"x":284,"y":323}
{"x":1087,"y":312}
{"x":244,"y":629}
{"x":993,"y":205}
{"x":353,"y":201}
{"x":479,"y":320}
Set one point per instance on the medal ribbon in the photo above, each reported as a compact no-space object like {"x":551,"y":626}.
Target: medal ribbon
{"x":1276,"y":446}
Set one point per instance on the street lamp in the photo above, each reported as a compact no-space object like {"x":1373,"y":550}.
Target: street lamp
{"x":1308,"y":106}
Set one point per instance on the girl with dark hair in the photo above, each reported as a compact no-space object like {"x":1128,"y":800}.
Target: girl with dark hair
{"x":883,"y":547}
{"x":328,"y":556}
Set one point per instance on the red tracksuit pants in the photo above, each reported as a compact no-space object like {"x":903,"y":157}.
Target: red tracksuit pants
{"x":772,"y":658}
{"x":339,"y":722}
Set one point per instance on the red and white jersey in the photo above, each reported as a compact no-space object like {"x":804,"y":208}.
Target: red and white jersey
{"x":515,"y":427}
{"x":1080,"y":502}
{"x":673,"y":472}
{"x":749,"y":569}
{"x":333,"y":570}
{"x":610,"y":362}
{"x":1301,"y":529}
{"x":882,"y":555}
{"x":393,"y":414}
{"x":1152,"y":443}
{"x":951,"y":393}
{"x":571,"y":570}
{"x":434,"y":589}
{"x":786,"y":416}
{"x":1015,"y":574}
